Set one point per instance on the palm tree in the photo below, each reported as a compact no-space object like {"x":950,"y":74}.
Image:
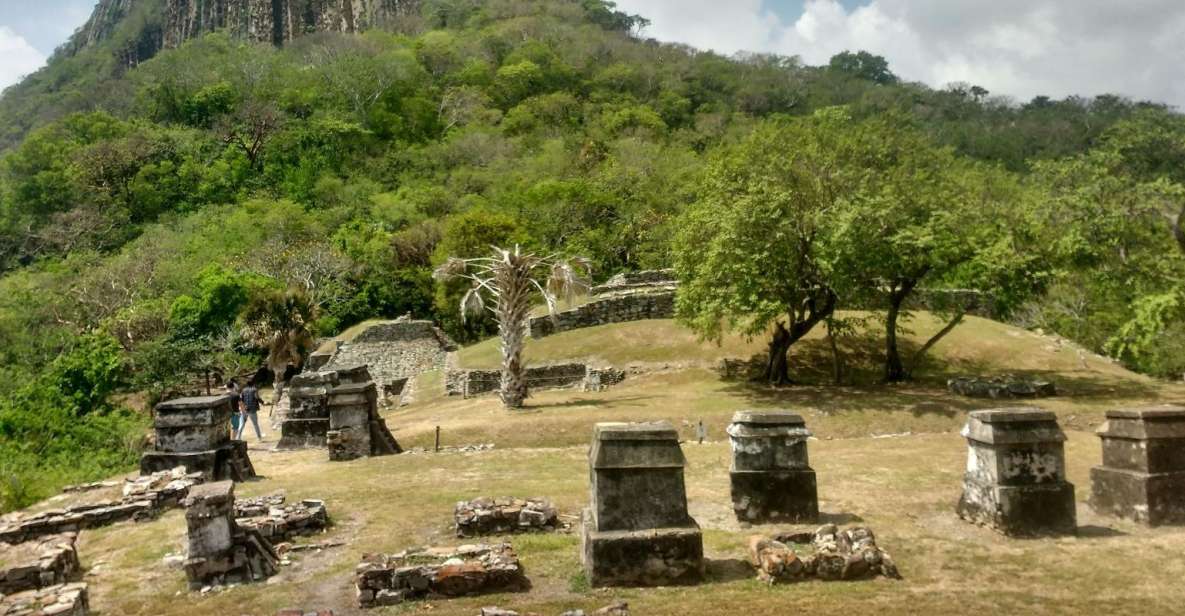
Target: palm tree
{"x":509,"y":279}
{"x":279,"y":321}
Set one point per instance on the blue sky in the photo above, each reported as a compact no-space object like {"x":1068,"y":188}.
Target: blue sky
{"x":1014,"y":48}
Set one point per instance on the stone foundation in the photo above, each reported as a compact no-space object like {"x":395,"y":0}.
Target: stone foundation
{"x":628,"y":306}
{"x":850,"y":554}
{"x":59,"y":600}
{"x":1001,"y":387}
{"x":1015,"y":480}
{"x":277,"y":521}
{"x":444,"y":572}
{"x":771,"y":478}
{"x":220,"y":551}
{"x":1142,"y":477}
{"x":496,"y":516}
{"x":628,"y":540}
{"x":394,"y":351}
{"x":42,"y":562}
{"x":229,"y":461}
{"x":470,"y":383}
{"x":195,"y":433}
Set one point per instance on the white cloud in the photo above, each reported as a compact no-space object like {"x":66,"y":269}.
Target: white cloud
{"x":1020,"y":48}
{"x":17,"y":57}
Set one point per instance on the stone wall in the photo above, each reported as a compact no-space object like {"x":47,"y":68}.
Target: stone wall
{"x":277,"y":520}
{"x":394,"y":351}
{"x":469,"y":383}
{"x":496,"y":516}
{"x":42,"y":562}
{"x":634,"y":306}
{"x":383,"y":579}
{"x":60,"y":600}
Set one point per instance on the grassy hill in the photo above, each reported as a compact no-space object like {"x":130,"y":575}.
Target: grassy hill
{"x":887,"y":457}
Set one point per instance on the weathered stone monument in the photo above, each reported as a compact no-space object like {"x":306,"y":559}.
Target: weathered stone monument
{"x":1016,"y":473}
{"x":307,"y":420}
{"x":220,"y":551}
{"x":195,"y":433}
{"x":355,"y":428}
{"x":771,"y":477}
{"x":1143,"y":473}
{"x":636,"y":531}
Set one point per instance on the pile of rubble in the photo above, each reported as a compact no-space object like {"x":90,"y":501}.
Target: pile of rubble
{"x":143,"y":498}
{"x":59,"y":600}
{"x":277,"y":521}
{"x":1005,"y":386}
{"x":620,"y":608}
{"x":850,"y":554}
{"x":383,"y":579}
{"x":495,"y":516}
{"x":38,"y":563}
{"x":449,"y":449}
{"x":220,"y":551}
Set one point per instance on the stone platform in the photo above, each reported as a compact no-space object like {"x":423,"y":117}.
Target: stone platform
{"x":1142,"y":477}
{"x":495,"y":516}
{"x":383,"y":579}
{"x":38,"y":563}
{"x":195,"y":433}
{"x":771,"y":478}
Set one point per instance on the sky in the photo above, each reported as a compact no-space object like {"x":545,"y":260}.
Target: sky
{"x":1016,"y":48}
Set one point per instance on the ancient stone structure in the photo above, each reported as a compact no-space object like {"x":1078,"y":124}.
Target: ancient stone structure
{"x":277,"y":521}
{"x":394,"y":351}
{"x":1005,"y":386}
{"x":355,"y":428}
{"x":1016,"y":473}
{"x":143,"y":498}
{"x":850,"y":554}
{"x":195,"y":433}
{"x":383,"y":579}
{"x":59,"y":600}
{"x":1143,"y":472}
{"x":620,"y":608}
{"x":636,"y":531}
{"x":647,"y":281}
{"x":496,"y":516}
{"x":38,"y":563}
{"x":307,"y":420}
{"x":220,"y":551}
{"x":470,"y":383}
{"x":612,"y":309}
{"x":771,"y":477}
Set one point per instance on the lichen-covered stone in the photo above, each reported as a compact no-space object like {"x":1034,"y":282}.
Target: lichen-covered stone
{"x":1016,"y":479}
{"x":220,"y":551}
{"x":382,"y":579}
{"x":277,"y":520}
{"x":1142,"y":477}
{"x":770,"y":478}
{"x":195,"y":433}
{"x":59,"y":600}
{"x":1001,"y":387}
{"x":636,"y":306}
{"x":494,"y":516}
{"x":393,"y":352}
{"x":849,"y":554}
{"x":41,"y":562}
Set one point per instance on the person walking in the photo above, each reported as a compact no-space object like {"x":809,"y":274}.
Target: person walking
{"x":250,"y":402}
{"x":236,"y":417}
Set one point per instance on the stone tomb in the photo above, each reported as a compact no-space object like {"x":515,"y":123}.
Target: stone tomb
{"x":636,"y":531}
{"x":356,"y":429}
{"x":220,"y":551}
{"x":38,"y":563}
{"x":195,"y":433}
{"x":1143,"y":473}
{"x":771,"y":477}
{"x":307,"y":419}
{"x":1016,"y":473}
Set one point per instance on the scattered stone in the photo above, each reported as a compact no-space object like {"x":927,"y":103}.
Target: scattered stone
{"x":144,"y":498}
{"x":296,"y":612}
{"x":620,"y":608}
{"x":277,"y":521}
{"x":495,"y":516}
{"x":220,"y":551}
{"x":1005,"y":386}
{"x":383,"y":579}
{"x":449,"y":449}
{"x":89,"y":487}
{"x":1016,"y":473}
{"x":850,"y":554}
{"x":771,"y":477}
{"x":628,"y":539}
{"x":195,"y":433}
{"x":58,"y":600}
{"x":1142,"y":477}
{"x":42,"y":562}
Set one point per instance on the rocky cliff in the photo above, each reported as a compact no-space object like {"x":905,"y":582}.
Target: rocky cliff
{"x":169,"y":23}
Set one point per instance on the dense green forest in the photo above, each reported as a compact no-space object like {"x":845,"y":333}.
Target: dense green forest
{"x":163,"y":221}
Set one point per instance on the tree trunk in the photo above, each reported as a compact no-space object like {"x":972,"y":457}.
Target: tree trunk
{"x":777,"y":368}
{"x":513,"y":389}
{"x":514,"y":307}
{"x":917,"y":357}
{"x":837,"y":363}
{"x":818,"y":307}
{"x":894,"y":368}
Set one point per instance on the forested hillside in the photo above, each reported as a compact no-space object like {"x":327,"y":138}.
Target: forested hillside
{"x":162,"y":219}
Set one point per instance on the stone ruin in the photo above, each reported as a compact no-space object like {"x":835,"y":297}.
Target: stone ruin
{"x":1142,"y":477}
{"x":58,"y":600}
{"x":276,"y":520}
{"x":383,"y":579}
{"x":343,"y":402}
{"x":625,"y":297}
{"x":395,"y":351}
{"x":195,"y":433}
{"x":1016,"y":473}
{"x":144,"y":498}
{"x":1006,"y":386}
{"x":771,"y":477}
{"x":636,"y":530}
{"x":620,"y":608}
{"x":46,"y":561}
{"x":220,"y":551}
{"x":497,"y":516}
{"x":469,"y":383}
{"x":850,"y":554}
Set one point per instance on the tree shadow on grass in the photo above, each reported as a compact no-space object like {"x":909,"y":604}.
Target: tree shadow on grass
{"x":831,"y":399}
{"x":594,"y":402}
{"x":1091,"y":531}
{"x":724,"y":570}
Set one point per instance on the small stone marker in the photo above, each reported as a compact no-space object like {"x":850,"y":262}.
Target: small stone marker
{"x":771,"y":477}
{"x":195,"y":433}
{"x":1143,"y":473}
{"x":221,"y":552}
{"x":356,"y":429}
{"x":1016,"y":473}
{"x":636,"y":531}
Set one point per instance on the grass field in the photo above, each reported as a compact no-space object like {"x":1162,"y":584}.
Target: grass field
{"x":887,"y":457}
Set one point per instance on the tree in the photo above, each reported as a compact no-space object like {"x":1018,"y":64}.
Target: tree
{"x":508,"y":279}
{"x":863,"y":65}
{"x":279,"y":321}
{"x":748,"y":251}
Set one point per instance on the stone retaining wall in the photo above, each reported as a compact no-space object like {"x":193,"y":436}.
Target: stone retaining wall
{"x":59,"y":600}
{"x":278,"y":521}
{"x":394,"y":351}
{"x":38,"y":563}
{"x":614,"y":309}
{"x":470,"y":383}
{"x":496,"y":516}
{"x":383,"y":579}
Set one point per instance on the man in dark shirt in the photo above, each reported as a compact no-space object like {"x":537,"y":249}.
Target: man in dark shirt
{"x":251,"y":401}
